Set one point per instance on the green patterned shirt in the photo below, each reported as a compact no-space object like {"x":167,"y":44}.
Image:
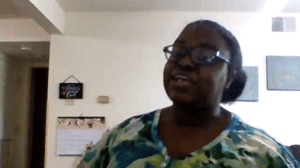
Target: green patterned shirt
{"x":135,"y":143}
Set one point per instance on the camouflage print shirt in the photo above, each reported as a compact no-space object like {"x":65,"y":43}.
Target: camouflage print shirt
{"x":136,"y":143}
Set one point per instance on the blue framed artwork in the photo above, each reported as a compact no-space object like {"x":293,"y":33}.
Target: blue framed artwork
{"x":250,"y":92}
{"x":283,"y":73}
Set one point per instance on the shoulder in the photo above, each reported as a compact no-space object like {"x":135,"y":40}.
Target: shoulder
{"x":144,"y":118}
{"x":253,"y":135}
{"x":259,"y":145}
{"x":132,"y":128}
{"x":118,"y":138}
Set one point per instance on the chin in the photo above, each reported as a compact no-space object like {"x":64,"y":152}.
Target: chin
{"x":185,"y":100}
{"x":190,"y":101}
{"x":186,"y":97}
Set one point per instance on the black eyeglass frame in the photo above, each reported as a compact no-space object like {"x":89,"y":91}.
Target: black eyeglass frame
{"x":212,"y":62}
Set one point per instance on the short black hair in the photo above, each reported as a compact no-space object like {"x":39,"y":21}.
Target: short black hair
{"x":235,"y":68}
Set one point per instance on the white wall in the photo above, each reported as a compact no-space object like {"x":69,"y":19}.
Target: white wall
{"x":12,"y":30}
{"x":119,"y":54}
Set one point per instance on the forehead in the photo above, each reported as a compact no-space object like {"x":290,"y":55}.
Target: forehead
{"x":197,"y":35}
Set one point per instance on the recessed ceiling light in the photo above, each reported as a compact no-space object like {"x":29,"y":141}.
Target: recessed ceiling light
{"x":29,"y":49}
{"x":26,"y":49}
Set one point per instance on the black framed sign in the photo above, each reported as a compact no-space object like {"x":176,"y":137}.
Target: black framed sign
{"x":70,"y":90}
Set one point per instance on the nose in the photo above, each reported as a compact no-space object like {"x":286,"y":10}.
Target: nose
{"x":187,"y":63}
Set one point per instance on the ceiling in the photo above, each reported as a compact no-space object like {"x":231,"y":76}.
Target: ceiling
{"x":9,"y":10}
{"x":175,"y":5}
{"x":39,"y":50}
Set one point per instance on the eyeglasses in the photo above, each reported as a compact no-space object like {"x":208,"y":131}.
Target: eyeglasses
{"x":205,"y":56}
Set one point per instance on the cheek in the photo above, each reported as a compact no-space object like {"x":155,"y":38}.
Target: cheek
{"x":166,"y":74}
{"x":169,"y":66}
{"x":219,"y":77}
{"x":213,"y":77}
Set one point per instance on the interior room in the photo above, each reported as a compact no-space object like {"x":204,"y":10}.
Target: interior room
{"x":115,"y":48}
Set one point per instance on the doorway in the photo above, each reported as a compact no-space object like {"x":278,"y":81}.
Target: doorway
{"x":37,"y":119}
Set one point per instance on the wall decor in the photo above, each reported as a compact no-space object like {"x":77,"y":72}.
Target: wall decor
{"x":251,"y":91}
{"x":74,"y":133}
{"x":283,"y":73}
{"x":70,"y":90}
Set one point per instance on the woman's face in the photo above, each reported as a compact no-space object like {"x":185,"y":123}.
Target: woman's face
{"x":189,"y":83}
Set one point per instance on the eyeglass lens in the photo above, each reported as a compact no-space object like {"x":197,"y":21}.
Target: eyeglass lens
{"x":199,"y":55}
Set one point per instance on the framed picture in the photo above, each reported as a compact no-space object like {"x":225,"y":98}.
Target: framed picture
{"x":70,"y":90}
{"x":251,"y":91}
{"x":283,"y":73}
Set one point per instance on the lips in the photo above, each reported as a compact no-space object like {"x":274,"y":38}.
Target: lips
{"x":181,"y":77}
{"x":182,"y":81}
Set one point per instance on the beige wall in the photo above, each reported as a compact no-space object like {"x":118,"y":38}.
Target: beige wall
{"x":14,"y":109}
{"x":119,"y":54}
{"x":8,"y":108}
{"x":9,"y":86}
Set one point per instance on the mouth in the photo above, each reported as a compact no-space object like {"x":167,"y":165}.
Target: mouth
{"x":183,"y":78}
{"x":182,"y":81}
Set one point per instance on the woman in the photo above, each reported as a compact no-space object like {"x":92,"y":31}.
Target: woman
{"x":204,"y":69}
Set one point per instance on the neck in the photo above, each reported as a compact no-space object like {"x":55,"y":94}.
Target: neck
{"x":185,"y":116}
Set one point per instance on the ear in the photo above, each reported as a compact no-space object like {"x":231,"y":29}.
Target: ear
{"x":229,"y":80}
